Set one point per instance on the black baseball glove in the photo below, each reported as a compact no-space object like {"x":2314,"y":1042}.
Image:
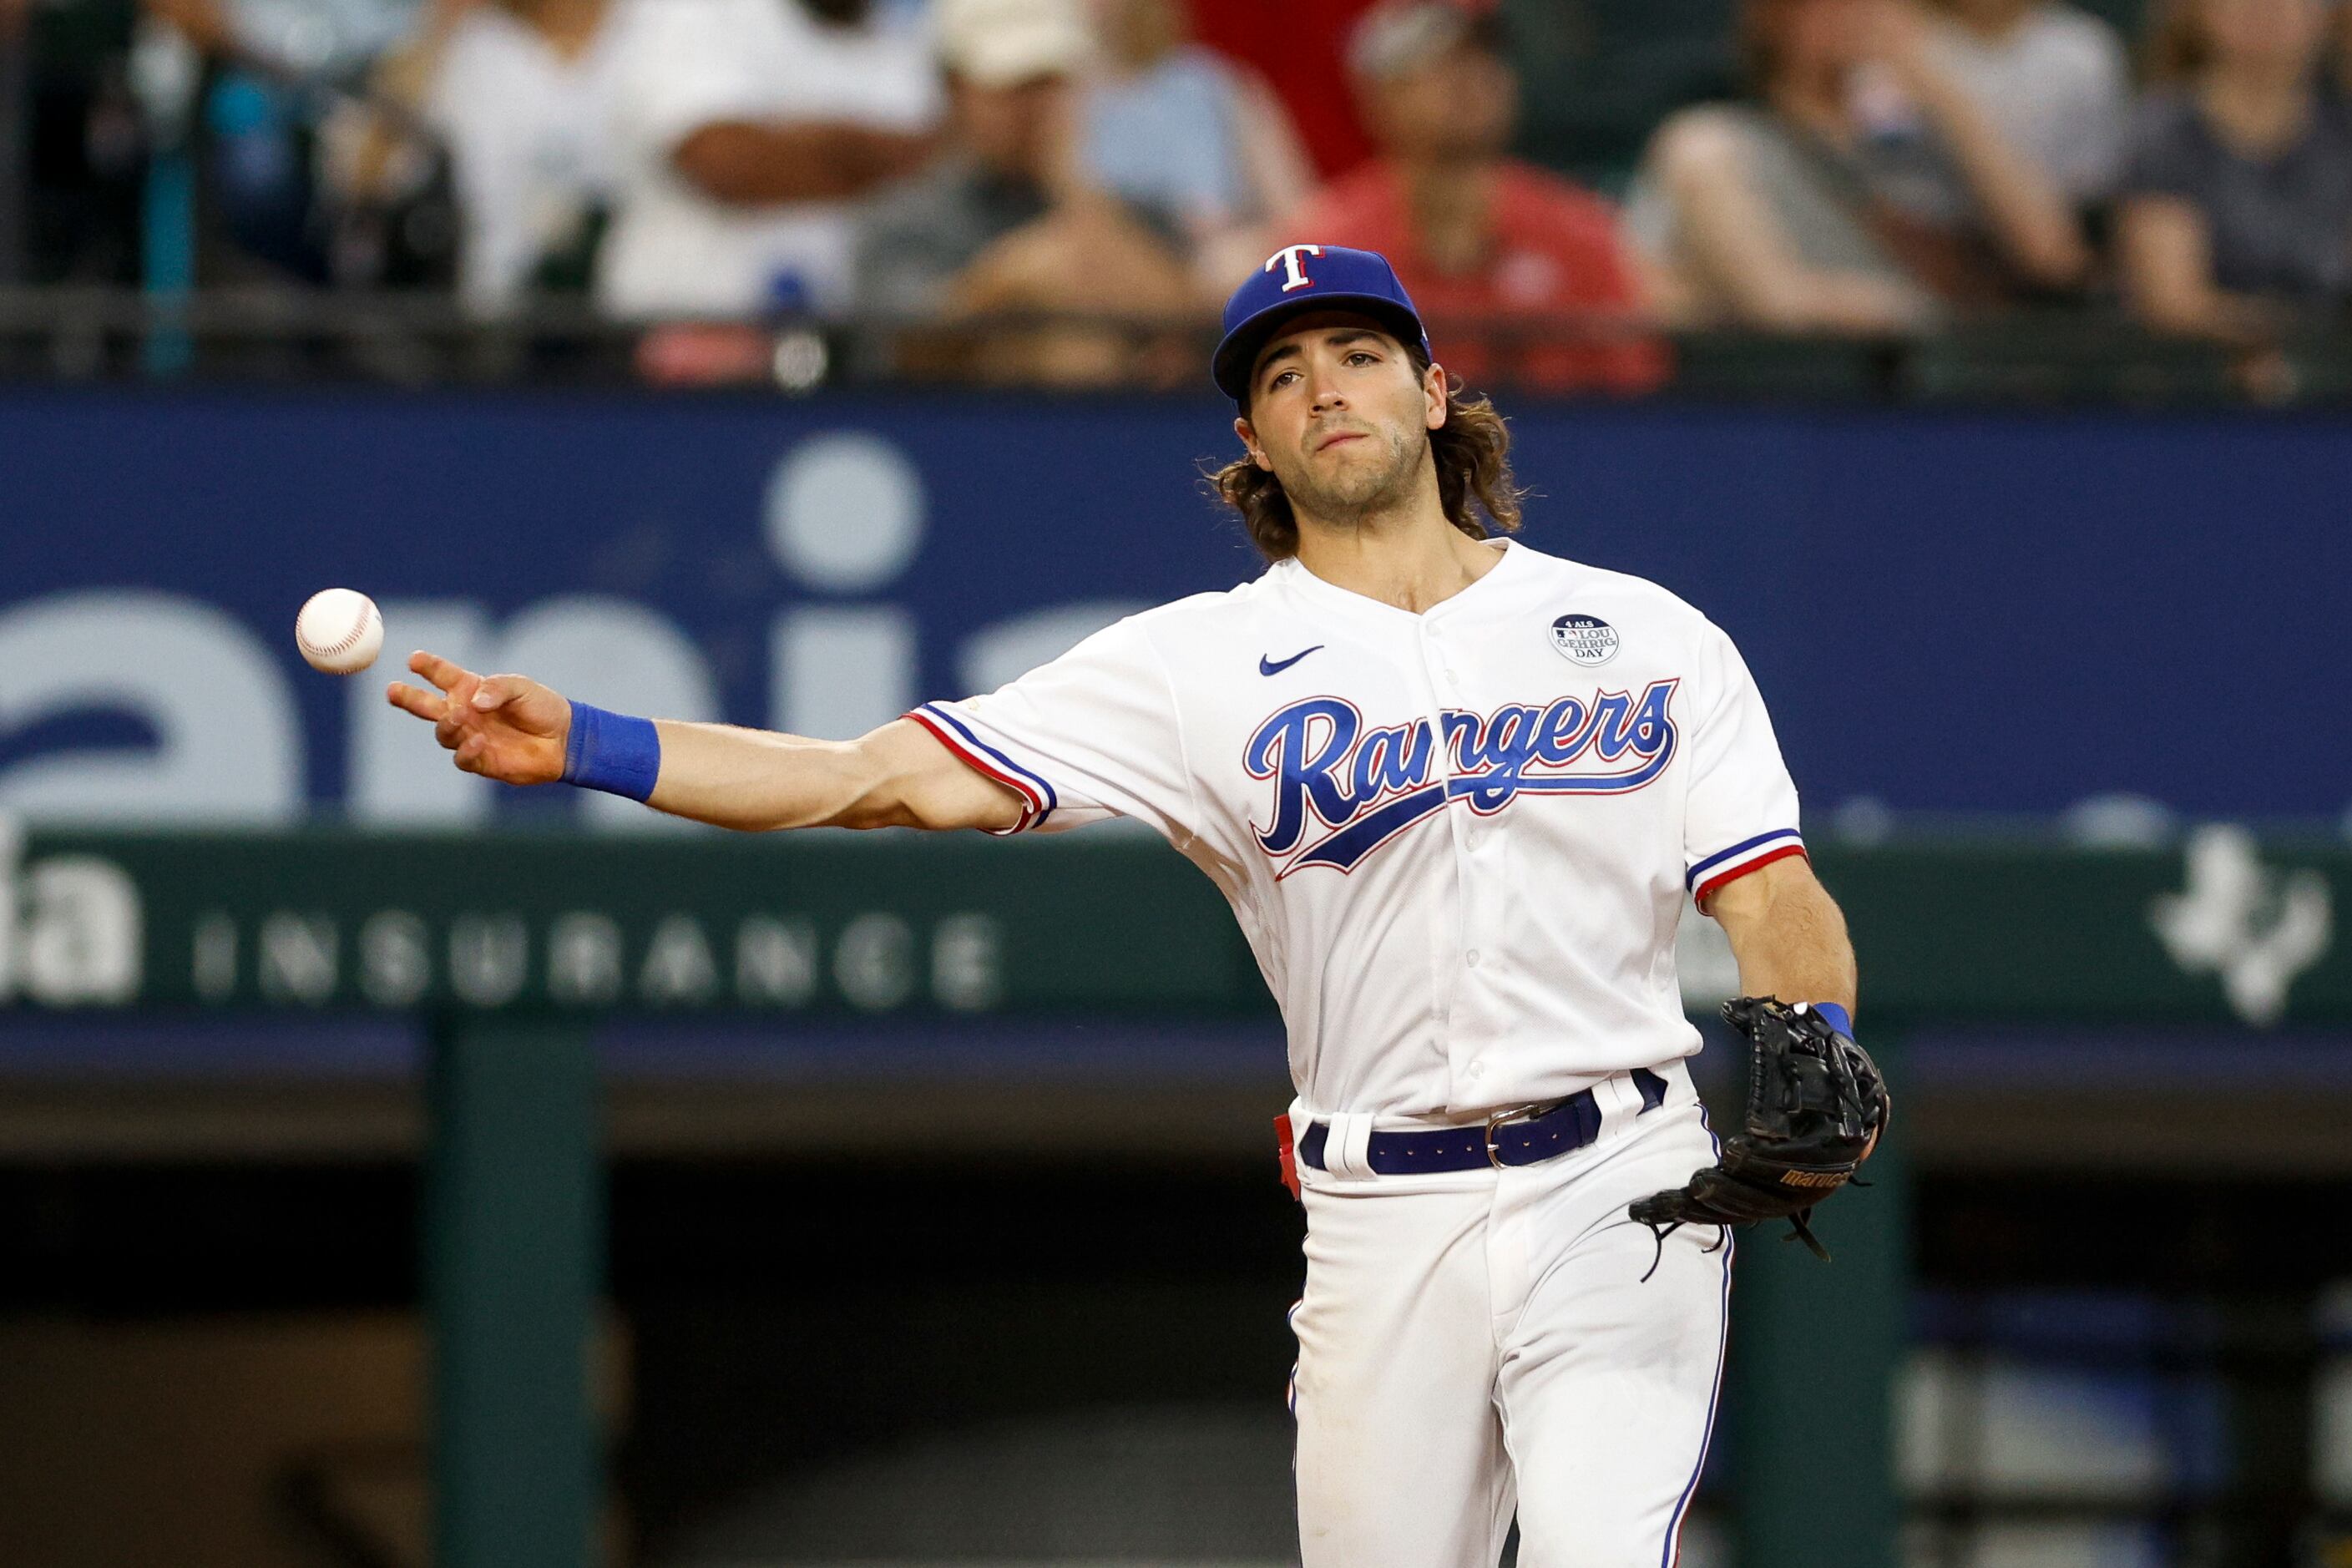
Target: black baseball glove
{"x":1816,"y":1106}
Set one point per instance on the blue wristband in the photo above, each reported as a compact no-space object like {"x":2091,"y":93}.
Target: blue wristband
{"x":612,"y":752}
{"x":1837,"y":1017}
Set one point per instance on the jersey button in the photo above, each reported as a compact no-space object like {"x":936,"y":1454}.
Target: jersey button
{"x":1471,"y":958}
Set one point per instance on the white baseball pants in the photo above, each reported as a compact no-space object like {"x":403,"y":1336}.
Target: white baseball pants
{"x":1482,"y":1342}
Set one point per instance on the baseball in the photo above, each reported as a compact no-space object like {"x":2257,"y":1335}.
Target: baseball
{"x":338,"y":631}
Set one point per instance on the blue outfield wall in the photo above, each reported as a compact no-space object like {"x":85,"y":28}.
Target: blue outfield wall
{"x":1947,"y":612}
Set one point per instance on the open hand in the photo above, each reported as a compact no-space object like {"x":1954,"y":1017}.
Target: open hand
{"x":503,"y":727}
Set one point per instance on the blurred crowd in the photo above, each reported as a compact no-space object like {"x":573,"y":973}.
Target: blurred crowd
{"x":1862,"y":167}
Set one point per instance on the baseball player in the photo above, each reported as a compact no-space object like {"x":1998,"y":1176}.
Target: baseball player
{"x":1456,"y":791}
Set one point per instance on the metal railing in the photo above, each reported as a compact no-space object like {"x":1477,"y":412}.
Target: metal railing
{"x":286,"y":334}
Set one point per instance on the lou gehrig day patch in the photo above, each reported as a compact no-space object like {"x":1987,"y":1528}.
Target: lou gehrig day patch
{"x":1587,"y":639}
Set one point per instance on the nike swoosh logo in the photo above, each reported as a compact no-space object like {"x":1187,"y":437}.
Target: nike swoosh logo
{"x":1271,"y":666}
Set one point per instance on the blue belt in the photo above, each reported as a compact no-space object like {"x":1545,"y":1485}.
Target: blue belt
{"x":1507,"y":1137}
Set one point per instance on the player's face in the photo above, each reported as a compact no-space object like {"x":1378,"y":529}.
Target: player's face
{"x":1340,"y":416}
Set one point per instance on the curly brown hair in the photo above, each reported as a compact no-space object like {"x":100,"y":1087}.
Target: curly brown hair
{"x":1471,"y":451}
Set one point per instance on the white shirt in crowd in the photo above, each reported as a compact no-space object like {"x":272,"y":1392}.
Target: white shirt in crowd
{"x":2058,"y":84}
{"x":1459,"y":842}
{"x":672,"y":249}
{"x":528,"y":131}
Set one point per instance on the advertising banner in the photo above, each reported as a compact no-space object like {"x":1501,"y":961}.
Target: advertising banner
{"x":2225,"y":930}
{"x":2114,"y":617}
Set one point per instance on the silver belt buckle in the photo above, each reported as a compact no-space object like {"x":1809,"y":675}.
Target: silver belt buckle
{"x":1502,"y":1119}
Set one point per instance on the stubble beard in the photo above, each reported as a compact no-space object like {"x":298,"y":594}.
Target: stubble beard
{"x":1359,"y":492}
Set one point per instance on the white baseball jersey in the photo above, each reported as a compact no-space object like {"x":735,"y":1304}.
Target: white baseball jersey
{"x":1458,"y":840}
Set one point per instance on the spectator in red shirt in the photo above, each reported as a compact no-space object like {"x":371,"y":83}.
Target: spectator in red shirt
{"x":1483,"y":241}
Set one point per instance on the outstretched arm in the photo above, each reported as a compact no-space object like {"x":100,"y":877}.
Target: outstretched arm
{"x":756,"y":780}
{"x":1789,"y":937}
{"x":512,"y":729}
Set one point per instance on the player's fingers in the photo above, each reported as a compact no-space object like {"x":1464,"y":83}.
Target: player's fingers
{"x":450,"y":731}
{"x":440,"y":671}
{"x":408,"y":699}
{"x":497,"y":690}
{"x":469,"y":754}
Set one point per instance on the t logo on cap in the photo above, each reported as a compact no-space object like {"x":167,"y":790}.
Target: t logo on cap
{"x":1355,"y":280}
{"x":1293,"y":259}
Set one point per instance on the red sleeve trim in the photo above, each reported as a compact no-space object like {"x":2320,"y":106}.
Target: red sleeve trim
{"x":1707,"y":888}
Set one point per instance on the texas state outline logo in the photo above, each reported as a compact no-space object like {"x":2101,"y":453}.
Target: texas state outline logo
{"x":1341,"y":790}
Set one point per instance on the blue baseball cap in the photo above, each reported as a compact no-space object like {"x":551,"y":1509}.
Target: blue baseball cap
{"x":1300,"y":278}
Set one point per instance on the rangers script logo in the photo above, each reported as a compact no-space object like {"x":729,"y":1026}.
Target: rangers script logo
{"x":1341,"y":791}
